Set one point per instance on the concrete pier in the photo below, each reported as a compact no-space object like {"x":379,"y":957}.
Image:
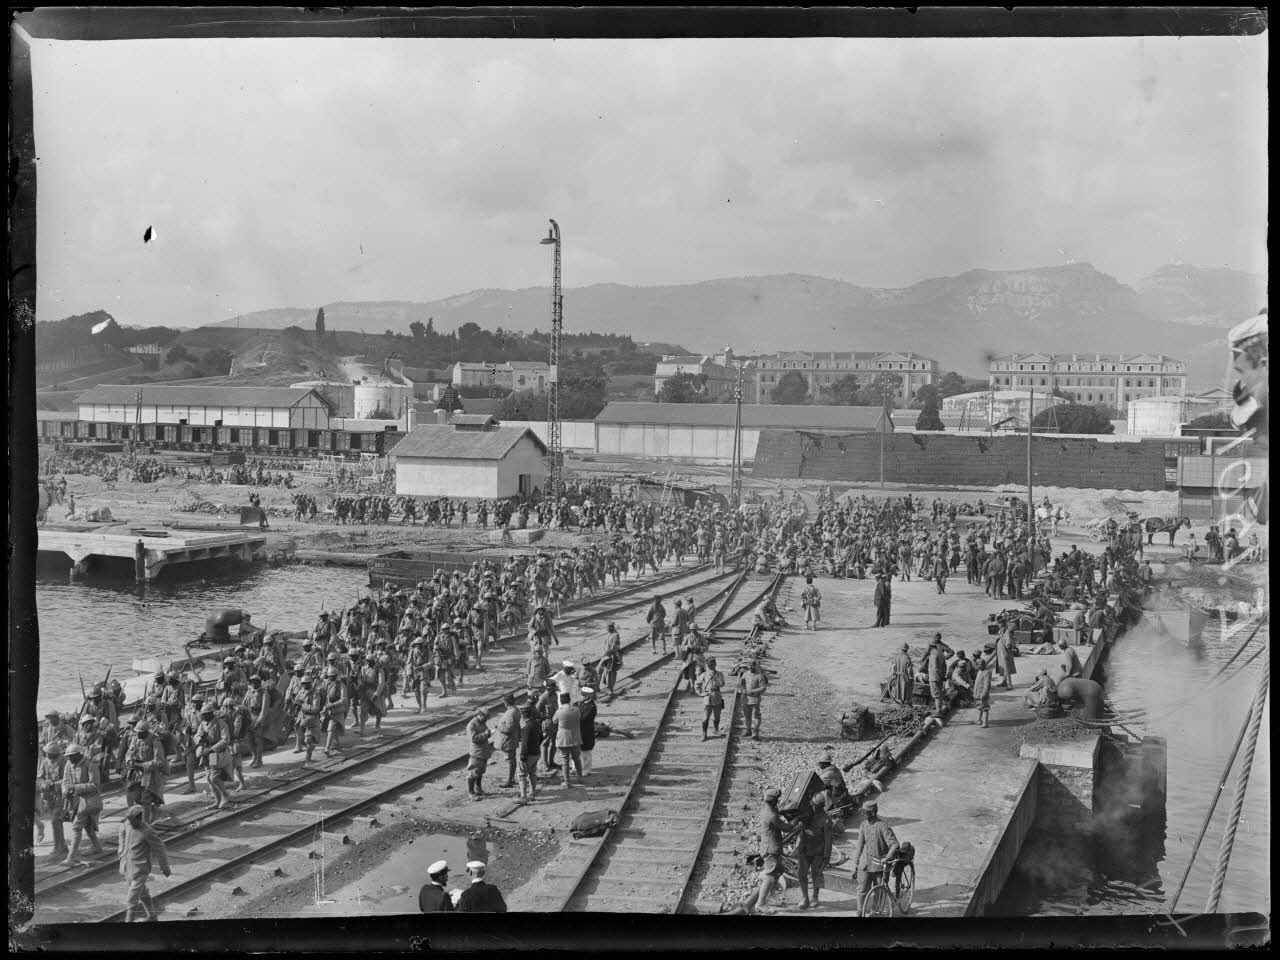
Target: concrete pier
{"x":157,"y":552}
{"x":966,"y":799}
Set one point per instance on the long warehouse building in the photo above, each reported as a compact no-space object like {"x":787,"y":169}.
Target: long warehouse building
{"x":703,"y":432}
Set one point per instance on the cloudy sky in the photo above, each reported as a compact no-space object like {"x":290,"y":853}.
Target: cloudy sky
{"x":298,"y":172}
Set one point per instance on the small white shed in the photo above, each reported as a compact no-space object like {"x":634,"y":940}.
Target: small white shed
{"x":470,"y":456}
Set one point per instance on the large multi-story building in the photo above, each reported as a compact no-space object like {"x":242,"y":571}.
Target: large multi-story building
{"x":1114,"y":379}
{"x":719,"y":369}
{"x":518,"y":375}
{"x":824,"y":369}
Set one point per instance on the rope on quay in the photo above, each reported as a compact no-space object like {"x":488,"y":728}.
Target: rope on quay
{"x":1242,"y":785}
{"x":1213,"y":804}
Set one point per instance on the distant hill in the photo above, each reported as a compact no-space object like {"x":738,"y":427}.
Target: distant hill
{"x":1179,"y":310}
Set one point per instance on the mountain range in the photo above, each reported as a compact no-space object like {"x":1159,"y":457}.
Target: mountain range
{"x":1179,"y":310}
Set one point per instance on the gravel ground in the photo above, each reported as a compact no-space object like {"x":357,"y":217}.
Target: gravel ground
{"x":801,"y":712}
{"x":513,"y":859}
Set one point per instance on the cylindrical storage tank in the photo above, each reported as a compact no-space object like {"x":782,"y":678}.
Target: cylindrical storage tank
{"x":381,"y":398}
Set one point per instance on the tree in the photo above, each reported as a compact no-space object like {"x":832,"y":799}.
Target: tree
{"x":179,"y":354}
{"x":683,"y":388}
{"x":320,"y":324}
{"x":451,"y":399}
{"x":844,"y":392}
{"x":883,"y":391}
{"x":951,"y":384}
{"x":216,"y":362}
{"x":418,"y":330}
{"x":928,"y":394}
{"x":930,"y":404}
{"x":1073,"y":418}
{"x":1211,"y":421}
{"x":792,"y":388}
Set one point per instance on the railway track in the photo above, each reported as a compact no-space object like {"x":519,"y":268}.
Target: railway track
{"x":646,"y":862}
{"x":286,"y":811}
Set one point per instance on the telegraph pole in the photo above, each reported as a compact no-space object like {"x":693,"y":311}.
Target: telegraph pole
{"x":735,"y":482}
{"x":553,"y":380}
{"x":1031,"y":506}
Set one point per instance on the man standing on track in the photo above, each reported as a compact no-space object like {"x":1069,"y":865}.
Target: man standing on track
{"x":481,"y":748}
{"x":530,"y":749}
{"x":657,"y":620}
{"x":509,"y":734}
{"x":710,"y":682}
{"x":611,"y":662}
{"x":752,"y":685}
{"x":569,"y":738}
{"x":139,"y":845}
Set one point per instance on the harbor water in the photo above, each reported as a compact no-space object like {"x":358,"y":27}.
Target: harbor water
{"x":1138,"y":871}
{"x":95,"y":624}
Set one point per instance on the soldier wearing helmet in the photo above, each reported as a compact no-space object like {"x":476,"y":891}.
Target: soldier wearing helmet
{"x":49,"y":796}
{"x":145,"y":767}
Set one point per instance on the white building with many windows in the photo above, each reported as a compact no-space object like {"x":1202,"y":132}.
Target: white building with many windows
{"x":822,"y":369}
{"x":1091,"y":378}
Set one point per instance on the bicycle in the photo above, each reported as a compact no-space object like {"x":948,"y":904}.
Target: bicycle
{"x":881,"y":900}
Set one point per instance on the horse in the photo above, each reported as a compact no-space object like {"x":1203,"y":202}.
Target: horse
{"x":1169,"y":525}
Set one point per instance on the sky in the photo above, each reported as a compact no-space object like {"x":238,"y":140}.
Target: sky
{"x":298,"y":172}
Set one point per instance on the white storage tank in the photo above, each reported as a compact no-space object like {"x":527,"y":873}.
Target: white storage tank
{"x":376,"y":397}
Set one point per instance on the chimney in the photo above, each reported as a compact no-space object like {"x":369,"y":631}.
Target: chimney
{"x":442,"y":415}
{"x":410,"y":418}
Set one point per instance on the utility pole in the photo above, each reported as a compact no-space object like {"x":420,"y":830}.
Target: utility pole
{"x":1031,"y":506}
{"x":553,"y":379}
{"x":884,"y":422}
{"x":735,"y":482}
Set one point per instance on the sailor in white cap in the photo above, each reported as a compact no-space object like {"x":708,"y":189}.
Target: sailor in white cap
{"x":1249,"y":368}
{"x":480,"y":896}
{"x":433,"y":898}
{"x":566,"y":680}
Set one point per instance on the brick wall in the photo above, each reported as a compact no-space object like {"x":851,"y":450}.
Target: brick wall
{"x":979,"y":461}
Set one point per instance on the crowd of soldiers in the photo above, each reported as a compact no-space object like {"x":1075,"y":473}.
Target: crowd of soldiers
{"x":352,"y":666}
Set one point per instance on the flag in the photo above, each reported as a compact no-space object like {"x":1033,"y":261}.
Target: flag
{"x":99,"y":327}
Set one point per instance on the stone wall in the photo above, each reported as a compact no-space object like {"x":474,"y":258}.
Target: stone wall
{"x":1065,"y":787}
{"x":971,"y":461}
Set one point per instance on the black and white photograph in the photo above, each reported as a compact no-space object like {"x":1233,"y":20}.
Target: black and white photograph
{"x":525,"y":462}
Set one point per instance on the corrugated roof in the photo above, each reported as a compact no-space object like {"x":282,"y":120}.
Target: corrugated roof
{"x":754,"y":415}
{"x":238,"y":396}
{"x":441,"y":440}
{"x":57,"y":415}
{"x":472,"y":419}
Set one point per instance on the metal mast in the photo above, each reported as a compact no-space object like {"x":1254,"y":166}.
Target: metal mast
{"x":553,"y":379}
{"x":1031,"y":504}
{"x":735,"y":483}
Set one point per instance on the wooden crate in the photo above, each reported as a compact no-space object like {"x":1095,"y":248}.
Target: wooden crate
{"x":1022,"y":636}
{"x":1069,"y":634}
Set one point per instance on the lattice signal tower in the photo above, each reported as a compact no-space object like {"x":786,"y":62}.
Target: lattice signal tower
{"x":553,"y":380}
